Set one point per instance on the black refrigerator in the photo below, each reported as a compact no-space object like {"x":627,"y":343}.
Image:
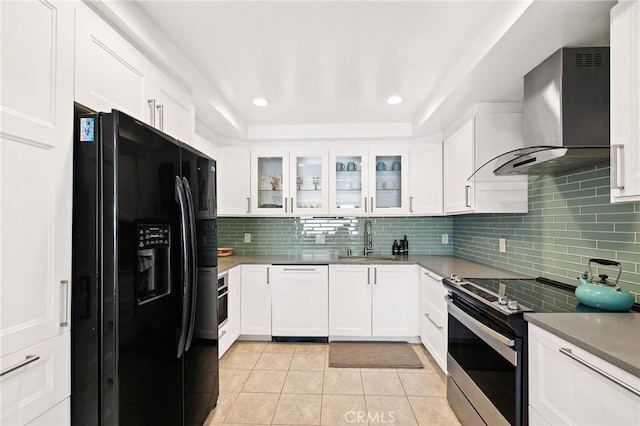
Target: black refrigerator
{"x":144,"y":345}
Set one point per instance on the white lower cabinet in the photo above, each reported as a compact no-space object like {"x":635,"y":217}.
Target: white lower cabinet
{"x":230,"y":330}
{"x":60,"y":415}
{"x":394,"y":301}
{"x":433,"y":316}
{"x":255,"y":301}
{"x":565,"y":387}
{"x":299,"y":300}
{"x":41,"y":380}
{"x":235,"y":280}
{"x":535,"y":419}
{"x":373,"y":300}
{"x":349,"y":300}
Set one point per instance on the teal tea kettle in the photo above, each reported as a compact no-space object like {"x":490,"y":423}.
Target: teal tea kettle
{"x":603,"y":294}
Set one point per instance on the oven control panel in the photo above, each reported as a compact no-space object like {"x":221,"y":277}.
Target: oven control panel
{"x":498,"y":301}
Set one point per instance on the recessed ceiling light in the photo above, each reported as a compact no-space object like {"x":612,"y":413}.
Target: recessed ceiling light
{"x":261,"y":101}
{"x":394,"y":100}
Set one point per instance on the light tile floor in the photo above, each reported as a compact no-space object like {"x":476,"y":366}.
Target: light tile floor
{"x":265,"y":383}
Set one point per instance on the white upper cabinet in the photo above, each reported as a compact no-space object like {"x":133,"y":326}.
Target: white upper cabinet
{"x":425,"y":176}
{"x":487,"y":131}
{"x":270,"y":183}
{"x":388,"y":182}
{"x":289,"y":182}
{"x":625,"y":102}
{"x":110,"y":73}
{"x":458,"y":154}
{"x":309,"y":182}
{"x":36,"y":163}
{"x":369,"y":182}
{"x":234,"y":181}
{"x":349,"y":180}
{"x":174,"y":111}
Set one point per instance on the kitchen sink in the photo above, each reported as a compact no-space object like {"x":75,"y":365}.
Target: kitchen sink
{"x":368,"y":258}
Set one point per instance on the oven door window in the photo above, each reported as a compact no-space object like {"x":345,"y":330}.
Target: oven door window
{"x":491,"y":372}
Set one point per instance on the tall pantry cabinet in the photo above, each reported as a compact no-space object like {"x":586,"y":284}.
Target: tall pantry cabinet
{"x":36,"y":111}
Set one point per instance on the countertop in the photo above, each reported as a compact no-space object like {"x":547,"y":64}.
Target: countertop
{"x":443,"y":266}
{"x":612,"y":336}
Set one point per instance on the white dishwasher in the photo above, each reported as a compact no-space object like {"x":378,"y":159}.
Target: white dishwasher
{"x":299,"y":300}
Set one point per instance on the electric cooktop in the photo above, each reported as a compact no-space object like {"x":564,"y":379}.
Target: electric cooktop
{"x":516,"y":296}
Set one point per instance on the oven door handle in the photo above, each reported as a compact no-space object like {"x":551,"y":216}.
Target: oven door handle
{"x":502,"y":344}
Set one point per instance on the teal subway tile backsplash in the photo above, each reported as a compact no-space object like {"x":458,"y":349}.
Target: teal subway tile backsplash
{"x":297,"y":235}
{"x":570,"y":220}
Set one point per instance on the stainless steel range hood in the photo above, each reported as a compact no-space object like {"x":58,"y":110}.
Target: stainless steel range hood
{"x":566,"y":114}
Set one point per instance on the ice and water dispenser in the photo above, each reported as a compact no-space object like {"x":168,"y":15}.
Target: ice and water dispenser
{"x":153,"y":272}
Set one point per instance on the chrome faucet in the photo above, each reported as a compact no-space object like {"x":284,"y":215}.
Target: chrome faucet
{"x":368,"y":238}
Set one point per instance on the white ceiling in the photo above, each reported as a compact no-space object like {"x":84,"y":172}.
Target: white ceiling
{"x":337,"y":62}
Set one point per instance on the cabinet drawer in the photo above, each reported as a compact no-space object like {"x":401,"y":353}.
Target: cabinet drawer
{"x":535,"y":419}
{"x":565,"y":388}
{"x":225,"y":340}
{"x":433,"y":333}
{"x":60,"y":415}
{"x":432,"y":293}
{"x":29,"y":391}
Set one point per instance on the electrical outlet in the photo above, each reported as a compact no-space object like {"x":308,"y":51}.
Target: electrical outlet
{"x":247,"y":237}
{"x":445,"y":238}
{"x":320,"y":239}
{"x":502,"y":243}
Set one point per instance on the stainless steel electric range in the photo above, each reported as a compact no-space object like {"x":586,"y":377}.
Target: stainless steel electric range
{"x":487,"y":343}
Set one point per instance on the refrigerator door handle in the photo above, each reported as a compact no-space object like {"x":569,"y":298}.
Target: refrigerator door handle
{"x":186,"y":280}
{"x":192,"y":263}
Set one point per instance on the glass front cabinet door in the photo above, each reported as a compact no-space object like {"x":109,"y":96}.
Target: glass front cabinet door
{"x":388,"y":183}
{"x":309,"y":186}
{"x":349,"y":193}
{"x":289,"y":183}
{"x":269,"y":186}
